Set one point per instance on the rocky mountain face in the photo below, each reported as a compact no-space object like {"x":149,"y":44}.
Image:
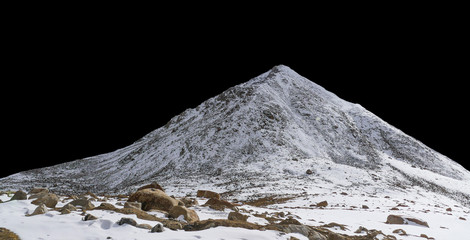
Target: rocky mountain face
{"x":264,"y":133}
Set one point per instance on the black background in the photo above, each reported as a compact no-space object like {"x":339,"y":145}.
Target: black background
{"x":76,"y":88}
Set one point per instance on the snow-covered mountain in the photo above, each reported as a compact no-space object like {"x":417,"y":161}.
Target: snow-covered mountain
{"x":263,"y":136}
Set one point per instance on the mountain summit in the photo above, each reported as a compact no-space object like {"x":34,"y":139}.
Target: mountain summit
{"x":264,"y":133}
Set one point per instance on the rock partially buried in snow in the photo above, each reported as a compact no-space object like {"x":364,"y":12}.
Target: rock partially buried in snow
{"x":189,"y":215}
{"x":41,"y":209}
{"x":19,"y":195}
{"x":218,"y":204}
{"x":49,"y":199}
{"x":129,"y":221}
{"x":236,"y":216}
{"x":136,"y":205}
{"x":157,"y":228}
{"x":207,"y":194}
{"x":396,"y":219}
{"x":84,"y":203}
{"x":152,"y":185}
{"x":89,"y":217}
{"x":152,"y":198}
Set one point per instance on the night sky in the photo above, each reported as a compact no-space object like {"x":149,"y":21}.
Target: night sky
{"x":80,"y":95}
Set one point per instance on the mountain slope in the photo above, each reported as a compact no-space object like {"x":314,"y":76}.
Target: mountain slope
{"x":266,"y":130}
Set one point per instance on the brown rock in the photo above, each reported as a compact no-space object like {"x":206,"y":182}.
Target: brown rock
{"x":207,"y":194}
{"x":144,"y":226}
{"x":173,"y":225}
{"x":49,"y":199}
{"x":84,"y":203}
{"x":189,"y":215}
{"x":152,"y":185}
{"x":152,"y":198}
{"x":7,"y":234}
{"x":290,"y":221}
{"x":462,"y":218}
{"x":189,"y":202}
{"x":365,"y":207}
{"x":322,"y":204}
{"x":129,"y":221}
{"x":157,"y":228}
{"x":136,"y":205}
{"x":449,"y":209}
{"x":41,"y":209}
{"x":38,"y":190}
{"x":309,"y":172}
{"x":218,"y":204}
{"x":19,"y":195}
{"x":396,"y":219}
{"x":89,"y":217}
{"x":400,"y":232}
{"x":70,"y":207}
{"x":236,"y":216}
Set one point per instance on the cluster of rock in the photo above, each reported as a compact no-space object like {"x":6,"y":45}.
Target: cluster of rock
{"x":152,"y":197}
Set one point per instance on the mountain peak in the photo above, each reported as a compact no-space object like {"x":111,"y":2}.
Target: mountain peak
{"x":272,"y":127}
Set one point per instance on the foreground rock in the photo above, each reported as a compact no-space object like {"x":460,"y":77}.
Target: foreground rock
{"x":207,"y":194}
{"x":236,"y":216}
{"x":7,"y":234}
{"x":157,"y":228}
{"x":152,"y":185}
{"x":19,"y":195}
{"x":397,"y":219}
{"x":48,"y":199}
{"x":129,"y":221}
{"x":84,"y":203}
{"x":41,"y":209}
{"x":152,"y":198}
{"x":189,"y":215}
{"x":219,"y":204}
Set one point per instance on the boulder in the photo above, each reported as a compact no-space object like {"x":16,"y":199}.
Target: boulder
{"x":308,"y":172}
{"x":152,"y":185}
{"x":152,"y":198}
{"x":144,"y":226}
{"x":400,"y":232}
{"x":173,"y":225}
{"x":189,"y":215}
{"x":84,"y":203}
{"x":290,"y":221}
{"x":38,"y":192}
{"x":7,"y":234}
{"x":157,"y":228}
{"x":49,"y":199}
{"x":70,"y":207}
{"x":136,"y":205}
{"x":129,"y":221}
{"x":207,"y":194}
{"x":89,"y":217}
{"x":236,"y":216}
{"x":189,"y":202}
{"x":322,"y":204}
{"x":19,"y":195}
{"x":396,"y":219}
{"x":41,"y":209}
{"x":218,"y":204}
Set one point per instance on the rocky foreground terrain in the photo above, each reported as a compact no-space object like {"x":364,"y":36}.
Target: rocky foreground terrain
{"x":151,"y":213}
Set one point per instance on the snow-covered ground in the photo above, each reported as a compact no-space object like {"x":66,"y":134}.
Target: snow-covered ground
{"x":347,"y":207}
{"x":55,"y":226}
